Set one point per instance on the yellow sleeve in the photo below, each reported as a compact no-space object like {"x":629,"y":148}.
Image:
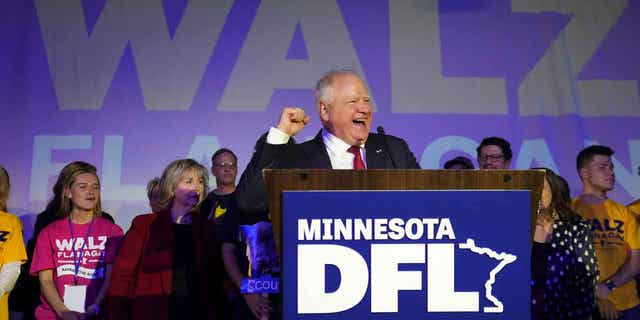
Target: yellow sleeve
{"x":635,"y":208}
{"x":632,"y":232}
{"x":14,"y":250}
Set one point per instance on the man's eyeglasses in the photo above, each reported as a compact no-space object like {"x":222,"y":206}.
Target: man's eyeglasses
{"x":492,"y":157}
{"x":225,"y":165}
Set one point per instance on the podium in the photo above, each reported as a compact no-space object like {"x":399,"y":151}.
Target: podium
{"x":508,"y":199}
{"x":278,"y":181}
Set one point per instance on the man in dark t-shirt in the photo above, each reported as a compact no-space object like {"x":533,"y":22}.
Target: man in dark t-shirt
{"x":220,"y":205}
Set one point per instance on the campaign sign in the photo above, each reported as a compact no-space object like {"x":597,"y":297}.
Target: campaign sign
{"x":406,"y":254}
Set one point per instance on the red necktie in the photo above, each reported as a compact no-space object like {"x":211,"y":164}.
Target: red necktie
{"x":358,"y":164}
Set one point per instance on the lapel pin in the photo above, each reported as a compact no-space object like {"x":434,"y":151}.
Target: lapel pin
{"x":378,"y":150}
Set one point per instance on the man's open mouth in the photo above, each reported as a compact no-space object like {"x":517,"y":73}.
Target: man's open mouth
{"x":360,"y":122}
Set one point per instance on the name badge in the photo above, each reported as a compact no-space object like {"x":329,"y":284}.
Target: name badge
{"x":74,"y":297}
{"x":264,"y":284}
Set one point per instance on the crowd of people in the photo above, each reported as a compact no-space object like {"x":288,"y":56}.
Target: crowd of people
{"x":187,"y":259}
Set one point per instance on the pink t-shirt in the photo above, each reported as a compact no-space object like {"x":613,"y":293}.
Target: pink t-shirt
{"x":55,"y":249}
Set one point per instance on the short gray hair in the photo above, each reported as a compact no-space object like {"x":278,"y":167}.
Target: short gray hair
{"x":323,"y":86}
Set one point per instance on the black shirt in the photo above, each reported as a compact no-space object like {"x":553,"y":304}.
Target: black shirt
{"x":182,"y":302}
{"x":228,"y":217}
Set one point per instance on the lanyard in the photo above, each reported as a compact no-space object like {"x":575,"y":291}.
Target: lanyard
{"x":77,"y":256}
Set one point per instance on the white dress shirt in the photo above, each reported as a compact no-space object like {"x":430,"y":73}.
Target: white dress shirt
{"x":336,"y":148}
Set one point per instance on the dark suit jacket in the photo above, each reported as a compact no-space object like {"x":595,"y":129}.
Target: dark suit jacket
{"x":251,"y":190}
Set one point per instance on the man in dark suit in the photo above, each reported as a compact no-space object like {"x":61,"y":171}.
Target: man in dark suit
{"x":345,"y":142}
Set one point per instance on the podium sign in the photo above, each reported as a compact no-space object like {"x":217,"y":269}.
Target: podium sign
{"x":453,"y":254}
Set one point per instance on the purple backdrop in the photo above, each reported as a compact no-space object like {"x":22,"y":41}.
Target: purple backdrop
{"x":132,"y":85}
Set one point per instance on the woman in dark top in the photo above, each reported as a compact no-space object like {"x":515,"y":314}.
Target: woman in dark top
{"x":563,"y":262}
{"x":169,"y":265}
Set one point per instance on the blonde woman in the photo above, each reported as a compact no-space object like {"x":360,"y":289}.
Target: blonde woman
{"x":169,"y":266}
{"x":73,"y":255}
{"x":25,"y":297}
{"x":12,"y":252}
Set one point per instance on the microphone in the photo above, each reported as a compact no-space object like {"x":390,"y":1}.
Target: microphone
{"x":381,"y":132}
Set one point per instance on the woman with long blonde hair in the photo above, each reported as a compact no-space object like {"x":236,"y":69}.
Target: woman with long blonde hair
{"x":25,"y":297}
{"x":73,"y":255}
{"x":169,"y":266}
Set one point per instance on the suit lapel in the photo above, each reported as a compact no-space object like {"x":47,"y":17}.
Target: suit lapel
{"x":161,"y":237}
{"x":317,"y":153}
{"x":376,"y":154}
{"x":159,"y":248}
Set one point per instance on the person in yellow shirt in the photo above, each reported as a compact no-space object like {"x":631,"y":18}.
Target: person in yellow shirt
{"x":12,"y":252}
{"x":616,"y":235}
{"x":635,"y":206}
